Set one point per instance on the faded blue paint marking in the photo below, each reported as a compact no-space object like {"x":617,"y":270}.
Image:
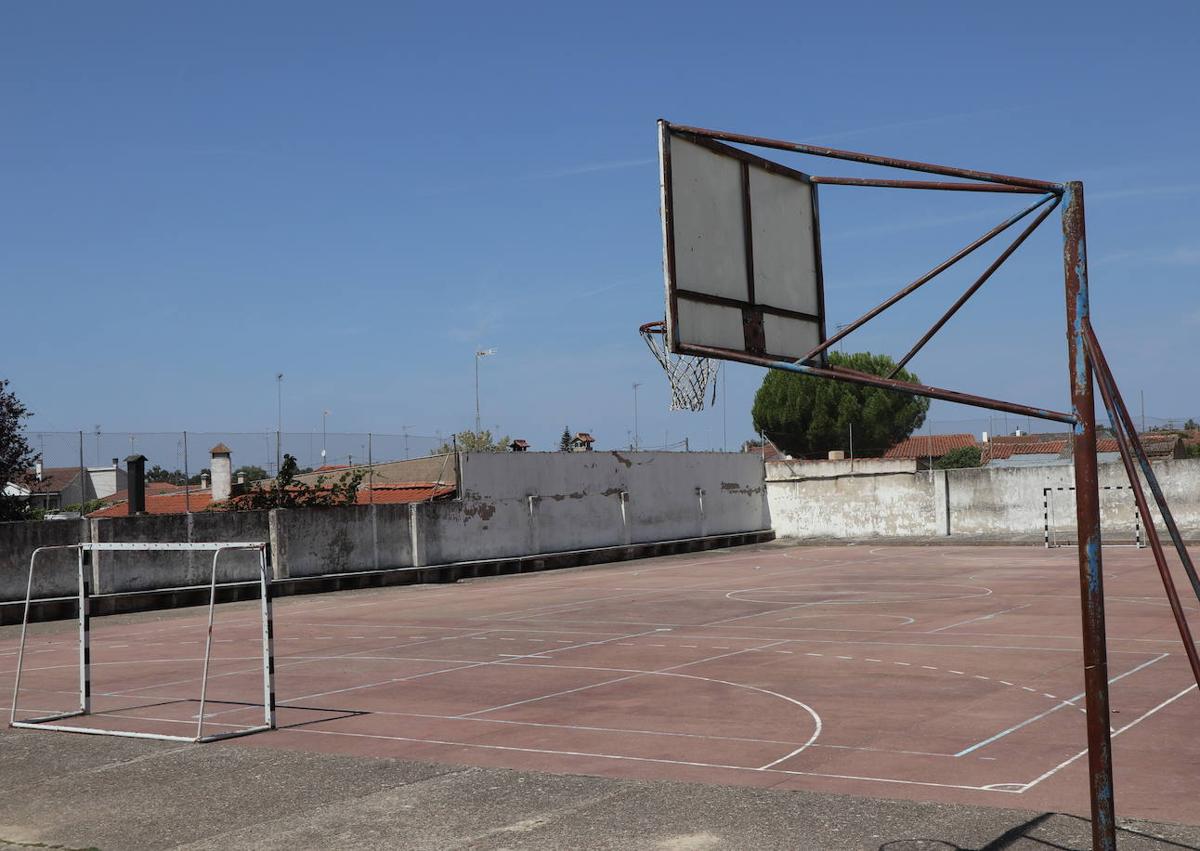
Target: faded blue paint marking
{"x":1093,"y":557}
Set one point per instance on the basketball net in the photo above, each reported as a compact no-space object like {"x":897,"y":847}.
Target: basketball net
{"x":688,"y":376}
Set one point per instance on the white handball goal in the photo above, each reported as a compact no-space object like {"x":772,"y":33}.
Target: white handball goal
{"x":86,"y":553}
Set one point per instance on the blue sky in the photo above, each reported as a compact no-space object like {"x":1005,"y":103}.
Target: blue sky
{"x":193,"y":198}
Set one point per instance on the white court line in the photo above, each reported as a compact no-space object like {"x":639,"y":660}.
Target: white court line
{"x":1115,"y":733}
{"x":1040,"y":716}
{"x":310,"y":731}
{"x":611,"y":682}
{"x":448,"y":670}
{"x":981,"y":618}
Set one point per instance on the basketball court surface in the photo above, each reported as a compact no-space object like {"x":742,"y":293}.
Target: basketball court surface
{"x":940,"y":673}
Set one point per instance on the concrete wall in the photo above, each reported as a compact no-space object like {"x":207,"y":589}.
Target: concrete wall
{"x":891,"y":499}
{"x":56,"y":572}
{"x":341,"y":540}
{"x":115,"y":572}
{"x":510,"y":505}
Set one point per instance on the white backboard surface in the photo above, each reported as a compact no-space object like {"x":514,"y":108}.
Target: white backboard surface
{"x":741,"y":251}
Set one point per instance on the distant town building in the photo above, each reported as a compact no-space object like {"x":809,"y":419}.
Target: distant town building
{"x":518,"y":445}
{"x":582,"y":442}
{"x":52,"y":488}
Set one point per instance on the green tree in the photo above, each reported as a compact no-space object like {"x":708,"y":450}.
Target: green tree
{"x":16,"y":455}
{"x":161,"y":474}
{"x":806,"y":416}
{"x":286,"y":492}
{"x":254,"y":473}
{"x":474,"y":441}
{"x":964,"y":456}
{"x":564,"y":442}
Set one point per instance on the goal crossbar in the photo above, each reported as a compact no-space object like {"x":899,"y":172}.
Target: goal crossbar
{"x":87,"y":549}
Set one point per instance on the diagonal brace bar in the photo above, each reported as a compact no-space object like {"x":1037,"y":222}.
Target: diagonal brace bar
{"x":884,"y":183}
{"x":974,"y":288}
{"x":926,"y":278}
{"x":1106,"y":384}
{"x":871,"y":159}
{"x":1097,"y":354}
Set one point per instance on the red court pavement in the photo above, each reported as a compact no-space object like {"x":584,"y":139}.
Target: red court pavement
{"x":936,"y":673}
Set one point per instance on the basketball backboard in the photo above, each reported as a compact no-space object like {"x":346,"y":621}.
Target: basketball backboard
{"x":742,"y":255}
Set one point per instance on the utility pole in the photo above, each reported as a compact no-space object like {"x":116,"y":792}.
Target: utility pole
{"x":279,"y":423}
{"x":479,"y":353}
{"x":636,"y":385}
{"x":405,"y":429}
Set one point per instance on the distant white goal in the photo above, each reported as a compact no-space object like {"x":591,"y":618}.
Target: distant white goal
{"x":86,"y":553}
{"x":1117,"y":509}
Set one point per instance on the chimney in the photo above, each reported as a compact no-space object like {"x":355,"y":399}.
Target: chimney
{"x":837,"y":455}
{"x":222,"y":472}
{"x":114,"y":464}
{"x":136,"y":465}
{"x":241,"y":478}
{"x":985,"y":438}
{"x":204,"y":481}
{"x":37,"y":469}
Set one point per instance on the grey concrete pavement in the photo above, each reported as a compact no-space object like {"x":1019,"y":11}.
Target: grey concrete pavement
{"x":77,"y":792}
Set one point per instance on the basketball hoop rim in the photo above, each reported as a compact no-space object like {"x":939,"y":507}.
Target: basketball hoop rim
{"x":658,"y":327}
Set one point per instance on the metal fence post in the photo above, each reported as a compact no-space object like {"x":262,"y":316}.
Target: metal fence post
{"x":1087,"y":507}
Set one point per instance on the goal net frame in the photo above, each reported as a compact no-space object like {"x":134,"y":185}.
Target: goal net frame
{"x":86,"y":552}
{"x":1051,"y":535}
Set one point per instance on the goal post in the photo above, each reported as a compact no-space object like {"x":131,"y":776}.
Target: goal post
{"x":86,"y":552}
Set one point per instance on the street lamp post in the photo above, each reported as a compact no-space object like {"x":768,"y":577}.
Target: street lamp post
{"x":479,"y":353}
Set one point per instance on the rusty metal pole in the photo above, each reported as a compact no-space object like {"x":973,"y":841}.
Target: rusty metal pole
{"x":1087,"y":507}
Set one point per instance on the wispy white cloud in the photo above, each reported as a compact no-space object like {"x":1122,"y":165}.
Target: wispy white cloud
{"x":589,"y":168}
{"x":1162,"y":191}
{"x":1183,"y":256}
{"x":916,"y":122}
{"x":906,"y":225}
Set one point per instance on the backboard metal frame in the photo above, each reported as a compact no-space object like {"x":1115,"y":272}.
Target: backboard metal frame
{"x":754,"y":307}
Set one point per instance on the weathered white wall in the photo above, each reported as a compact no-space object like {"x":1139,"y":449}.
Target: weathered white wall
{"x":511,"y":504}
{"x":56,"y":572}
{"x":893,"y":499}
{"x":341,"y":540}
{"x":577,"y":497}
{"x":877,"y":498}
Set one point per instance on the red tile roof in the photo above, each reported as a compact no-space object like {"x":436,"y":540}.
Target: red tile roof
{"x":924,"y":445}
{"x":152,"y":488}
{"x":994,"y":451}
{"x":407,"y":492}
{"x":171,"y":503}
{"x":201,"y":500}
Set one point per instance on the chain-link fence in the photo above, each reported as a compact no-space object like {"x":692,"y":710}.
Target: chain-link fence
{"x":184,"y":454}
